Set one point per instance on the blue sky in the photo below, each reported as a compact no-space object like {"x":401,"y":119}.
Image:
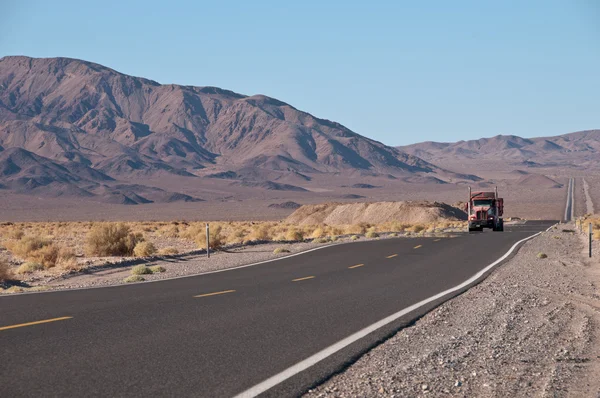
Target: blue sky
{"x":396,"y":71}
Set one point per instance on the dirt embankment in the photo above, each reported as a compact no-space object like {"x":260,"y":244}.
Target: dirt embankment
{"x":375,"y":213}
{"x":530,"y":329}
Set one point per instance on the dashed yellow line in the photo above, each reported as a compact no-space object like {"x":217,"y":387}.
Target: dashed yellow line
{"x":302,"y":279}
{"x":356,"y":266}
{"x":21,"y":325}
{"x":215,"y":293}
{"x":416,"y":247}
{"x":392,"y":256}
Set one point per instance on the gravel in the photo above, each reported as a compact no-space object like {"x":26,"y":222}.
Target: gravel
{"x":530,"y":329}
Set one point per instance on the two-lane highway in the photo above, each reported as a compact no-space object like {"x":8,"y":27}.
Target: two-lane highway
{"x":224,"y":333}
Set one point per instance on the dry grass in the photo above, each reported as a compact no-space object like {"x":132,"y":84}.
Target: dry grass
{"x":280,"y":250}
{"x":134,"y":278}
{"x":111,"y":240}
{"x":168,"y":251}
{"x":140,"y":270}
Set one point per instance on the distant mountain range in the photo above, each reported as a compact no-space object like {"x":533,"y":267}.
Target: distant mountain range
{"x":71,"y":127}
{"x":579,"y":150}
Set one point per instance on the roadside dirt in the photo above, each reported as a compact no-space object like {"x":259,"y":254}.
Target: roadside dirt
{"x":376,"y":212}
{"x":531,"y":329}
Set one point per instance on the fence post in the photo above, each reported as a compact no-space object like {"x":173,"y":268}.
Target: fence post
{"x":590,"y":230}
{"x":207,"y":241}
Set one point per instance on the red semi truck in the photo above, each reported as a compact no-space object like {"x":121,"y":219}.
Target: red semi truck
{"x":485,"y":210}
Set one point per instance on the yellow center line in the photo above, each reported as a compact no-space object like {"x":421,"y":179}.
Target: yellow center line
{"x":437,"y":240}
{"x":356,"y":266}
{"x":35,"y":323}
{"x":392,"y":256}
{"x":215,"y":293}
{"x":302,"y":279}
{"x":416,"y":247}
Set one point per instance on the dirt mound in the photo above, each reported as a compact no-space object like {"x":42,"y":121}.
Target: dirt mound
{"x":538,"y":181}
{"x":375,"y":213}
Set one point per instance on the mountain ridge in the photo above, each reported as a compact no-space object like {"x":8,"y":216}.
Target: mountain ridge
{"x":70,"y":111}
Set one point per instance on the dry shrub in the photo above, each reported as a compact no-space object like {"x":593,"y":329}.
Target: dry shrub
{"x":216,"y":238}
{"x":47,"y":255}
{"x":416,"y":228}
{"x":28,"y":244}
{"x":111,"y":240}
{"x":157,"y":269}
{"x":134,"y":278}
{"x":140,"y":270}
{"x":29,"y":267}
{"x":317,"y":233}
{"x":35,"y":249}
{"x":372,"y":234}
{"x":294,"y":235}
{"x":262,"y":232}
{"x":144,"y":249}
{"x":168,"y":251}
{"x":280,"y":250}
{"x":5,"y":271}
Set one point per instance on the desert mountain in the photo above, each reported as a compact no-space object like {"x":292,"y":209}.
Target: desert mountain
{"x":580,"y":149}
{"x":85,"y":124}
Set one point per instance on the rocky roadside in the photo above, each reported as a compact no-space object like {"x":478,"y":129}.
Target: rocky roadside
{"x":532,"y":328}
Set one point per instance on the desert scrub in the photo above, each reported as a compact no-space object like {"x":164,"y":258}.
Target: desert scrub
{"x":321,"y":240}
{"x":280,"y":250}
{"x":168,"y":251}
{"x":542,"y":255}
{"x":134,"y":278}
{"x":157,"y":269}
{"x":317,"y":233}
{"x":29,"y":267}
{"x":372,"y":234}
{"x":5,"y":271}
{"x":35,"y":249}
{"x":111,"y":240}
{"x":144,"y":249}
{"x":354,"y":237}
{"x":140,"y":270}
{"x":293,"y":234}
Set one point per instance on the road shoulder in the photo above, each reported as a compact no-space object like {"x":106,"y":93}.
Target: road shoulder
{"x":531,"y":328}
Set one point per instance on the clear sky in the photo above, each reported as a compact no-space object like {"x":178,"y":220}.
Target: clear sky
{"x":397,"y":71}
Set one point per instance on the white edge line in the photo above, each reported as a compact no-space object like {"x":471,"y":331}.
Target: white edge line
{"x":319,"y":356}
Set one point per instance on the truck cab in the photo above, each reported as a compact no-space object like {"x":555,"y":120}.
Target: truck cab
{"x":485,"y":210}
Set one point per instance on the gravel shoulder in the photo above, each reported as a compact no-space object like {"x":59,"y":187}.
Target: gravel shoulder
{"x":532,"y":328}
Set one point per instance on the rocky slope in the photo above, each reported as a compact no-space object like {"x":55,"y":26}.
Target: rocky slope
{"x":77,"y":114}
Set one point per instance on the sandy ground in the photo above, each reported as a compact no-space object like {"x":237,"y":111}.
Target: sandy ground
{"x":530,"y":329}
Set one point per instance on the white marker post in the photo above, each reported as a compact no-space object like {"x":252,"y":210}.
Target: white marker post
{"x":207,"y":241}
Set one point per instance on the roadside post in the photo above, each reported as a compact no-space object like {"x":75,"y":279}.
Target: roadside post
{"x":590,"y":239}
{"x":207,"y":241}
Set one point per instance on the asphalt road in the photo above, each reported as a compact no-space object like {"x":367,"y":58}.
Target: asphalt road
{"x":177,"y":338}
{"x":570,"y":206}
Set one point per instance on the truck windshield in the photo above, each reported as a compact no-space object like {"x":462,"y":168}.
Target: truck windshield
{"x":482,"y":202}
